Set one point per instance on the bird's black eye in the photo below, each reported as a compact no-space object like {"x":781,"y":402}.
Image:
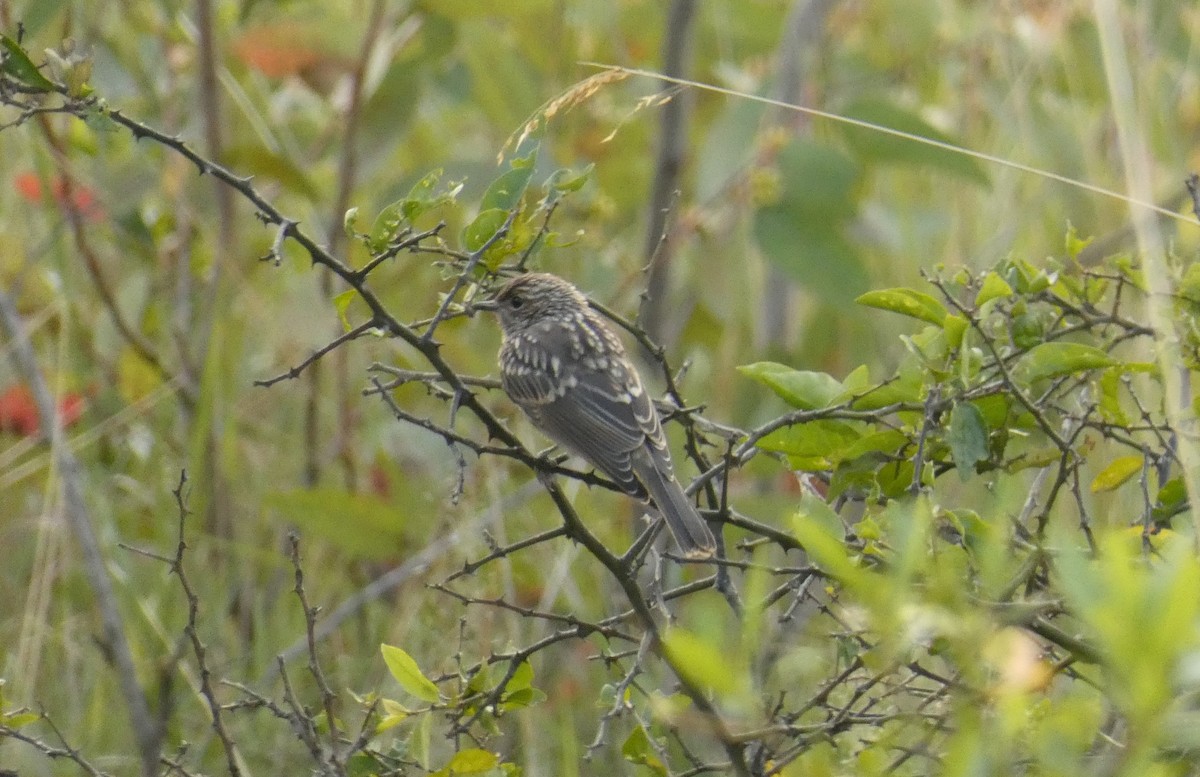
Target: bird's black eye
{"x":515,"y":302}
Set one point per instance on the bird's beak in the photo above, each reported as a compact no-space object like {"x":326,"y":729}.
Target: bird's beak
{"x":485,"y":304}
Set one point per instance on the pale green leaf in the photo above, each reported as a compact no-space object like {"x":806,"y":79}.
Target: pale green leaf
{"x":906,"y":302}
{"x":406,"y":672}
{"x":993,"y":287}
{"x":799,"y":388}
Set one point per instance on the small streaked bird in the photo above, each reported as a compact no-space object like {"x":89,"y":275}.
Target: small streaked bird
{"x":566,"y":369}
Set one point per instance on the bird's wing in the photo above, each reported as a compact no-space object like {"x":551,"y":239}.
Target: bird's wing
{"x":532,"y":371}
{"x":592,"y":402}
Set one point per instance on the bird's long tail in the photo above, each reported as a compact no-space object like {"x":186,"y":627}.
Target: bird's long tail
{"x":686,"y":525}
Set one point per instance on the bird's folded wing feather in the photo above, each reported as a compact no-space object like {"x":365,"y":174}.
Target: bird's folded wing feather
{"x":596,"y":407}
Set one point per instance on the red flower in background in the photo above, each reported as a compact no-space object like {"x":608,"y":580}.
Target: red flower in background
{"x":81,"y":198}
{"x":19,"y":413}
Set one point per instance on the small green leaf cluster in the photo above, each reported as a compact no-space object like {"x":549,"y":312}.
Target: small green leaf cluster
{"x":480,"y":701}
{"x":504,"y":203}
{"x":1037,"y":611}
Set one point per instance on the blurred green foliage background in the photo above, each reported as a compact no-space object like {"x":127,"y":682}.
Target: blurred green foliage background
{"x":780,"y":221}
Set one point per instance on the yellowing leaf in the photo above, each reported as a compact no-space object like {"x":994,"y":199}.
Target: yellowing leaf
{"x":136,"y":379}
{"x":341,"y":303}
{"x":1117,"y":472}
{"x":394,"y":713}
{"x":638,"y":749}
{"x":472,"y":761}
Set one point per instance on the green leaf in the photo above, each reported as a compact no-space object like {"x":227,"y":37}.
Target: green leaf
{"x":856,"y":382}
{"x":884,"y":147}
{"x":1117,"y":472}
{"x":470,"y":761}
{"x":1074,"y":243}
{"x":1050,"y":360}
{"x":486,"y":224}
{"x":565,"y":180}
{"x":18,"y":65}
{"x":817,"y":255}
{"x":506,"y":191}
{"x":1026,"y":330}
{"x":815,"y":510}
{"x":799,"y":388}
{"x":906,"y":302}
{"x":968,"y":438}
{"x":16,"y":720}
{"x":408,"y":674}
{"x":993,"y":287}
{"x":1110,"y":397}
{"x":906,"y":386}
{"x":955,"y":327}
{"x":522,"y":677}
{"x":703,"y":663}
{"x":394,"y":713}
{"x":526,"y":697}
{"x":637,"y":749}
{"x":1171,"y":499}
{"x":803,"y":232}
{"x":826,"y":551}
{"x":424,"y":196}
{"x":811,"y":446}
{"x":888,"y":441}
{"x":341,"y":303}
{"x":519,"y":692}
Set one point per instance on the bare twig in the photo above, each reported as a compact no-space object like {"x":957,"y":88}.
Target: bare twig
{"x":328,"y":697}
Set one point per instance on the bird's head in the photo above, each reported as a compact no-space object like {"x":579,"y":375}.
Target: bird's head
{"x":528,"y":299}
